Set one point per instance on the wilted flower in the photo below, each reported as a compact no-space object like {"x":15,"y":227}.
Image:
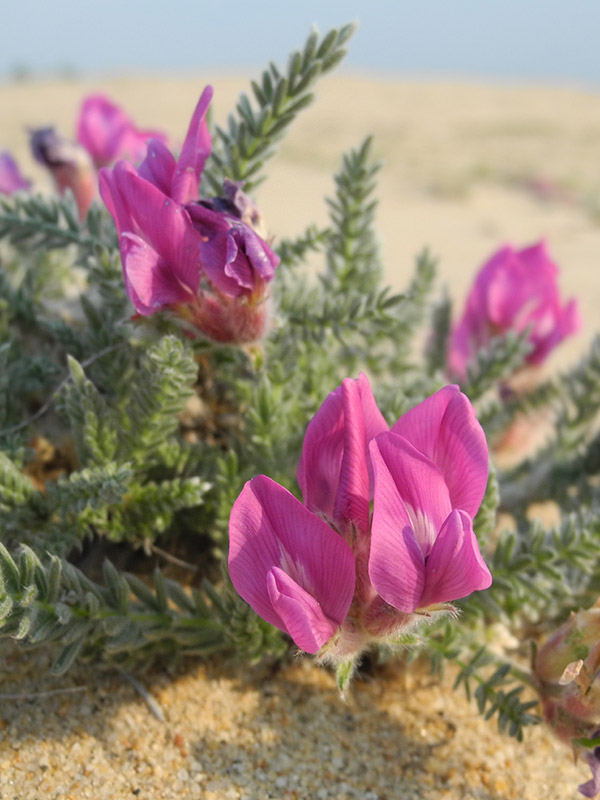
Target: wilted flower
{"x":11,"y":179}
{"x":348,"y":577}
{"x":567,"y":672}
{"x":514,"y":291}
{"x":107,"y":133}
{"x":68,"y":163}
{"x":205,"y":264}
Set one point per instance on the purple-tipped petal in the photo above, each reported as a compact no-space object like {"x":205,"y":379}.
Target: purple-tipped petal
{"x":591,"y":788}
{"x":158,"y":166}
{"x":237,"y":267}
{"x":301,"y":614}
{"x":333,"y":482}
{"x":455,"y":567}
{"x":445,"y":429}
{"x":195,"y":151}
{"x":269,"y":528}
{"x":216,"y":248}
{"x":258,"y":253}
{"x":11,"y":179}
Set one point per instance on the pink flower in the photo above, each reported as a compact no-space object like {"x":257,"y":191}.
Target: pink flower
{"x":206,"y":264}
{"x":107,"y":133}
{"x":11,"y":179}
{"x":415,"y":552}
{"x":68,"y":163}
{"x":514,"y":290}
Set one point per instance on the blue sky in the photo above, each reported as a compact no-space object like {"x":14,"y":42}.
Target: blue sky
{"x":531,"y":40}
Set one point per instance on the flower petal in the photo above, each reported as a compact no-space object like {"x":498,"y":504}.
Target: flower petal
{"x":195,"y":151}
{"x":164,"y":224}
{"x":213,"y":228}
{"x":591,"y":788}
{"x":237,"y":267}
{"x":445,"y":429}
{"x":151,"y":283}
{"x":11,"y":179}
{"x":108,"y":133}
{"x":301,"y":614}
{"x":409,"y":506}
{"x":269,"y":528}
{"x":455,"y":567}
{"x":334,"y":472}
{"x":353,"y":496}
{"x":113,"y":199}
{"x":99,"y":128}
{"x":158,"y":167}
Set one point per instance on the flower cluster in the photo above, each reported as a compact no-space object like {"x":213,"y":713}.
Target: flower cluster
{"x":203,"y":260}
{"x":567,"y":672}
{"x":335,"y":575}
{"x":104,"y":133}
{"x":515,"y":290}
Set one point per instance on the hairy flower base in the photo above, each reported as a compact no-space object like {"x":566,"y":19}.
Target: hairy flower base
{"x":380,"y":623}
{"x":239,"y":320}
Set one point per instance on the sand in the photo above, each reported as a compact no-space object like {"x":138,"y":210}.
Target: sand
{"x":230,"y":734}
{"x":466,"y":168}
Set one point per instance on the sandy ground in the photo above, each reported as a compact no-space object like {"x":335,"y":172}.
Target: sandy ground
{"x":233,"y":735}
{"x":466,"y":168}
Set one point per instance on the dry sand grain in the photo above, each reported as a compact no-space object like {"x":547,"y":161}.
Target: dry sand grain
{"x":399,"y":736}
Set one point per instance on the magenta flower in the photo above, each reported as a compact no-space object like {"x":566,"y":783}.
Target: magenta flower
{"x":205,"y":264}
{"x":107,"y":133}
{"x":68,"y":163}
{"x":11,"y":179}
{"x":416,"y":551}
{"x":514,"y":290}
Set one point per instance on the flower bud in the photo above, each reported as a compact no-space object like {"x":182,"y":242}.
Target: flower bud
{"x":69,"y":164}
{"x":567,"y":671}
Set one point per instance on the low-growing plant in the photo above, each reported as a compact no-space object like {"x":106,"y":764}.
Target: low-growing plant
{"x":128,"y":434}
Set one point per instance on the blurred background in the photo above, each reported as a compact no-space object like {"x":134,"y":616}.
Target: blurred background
{"x":555,"y":41}
{"x":486,"y":116}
